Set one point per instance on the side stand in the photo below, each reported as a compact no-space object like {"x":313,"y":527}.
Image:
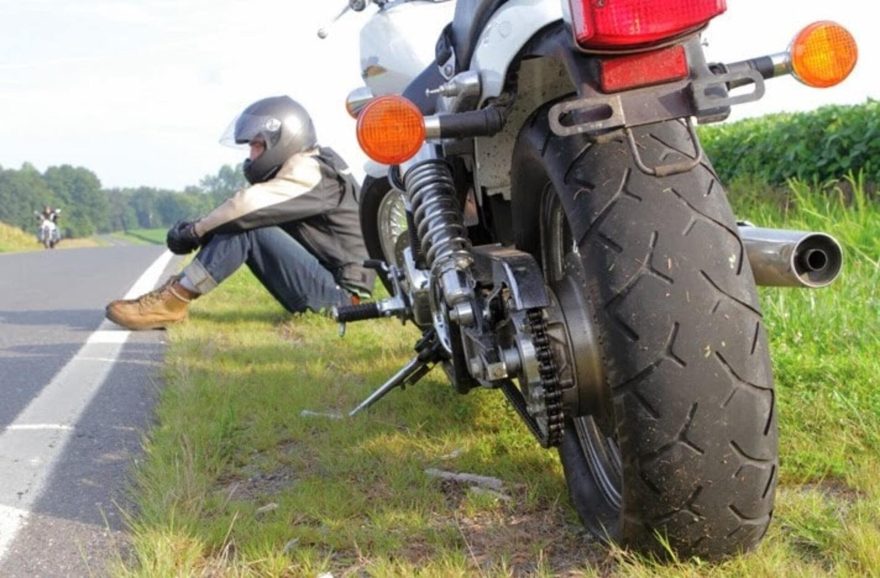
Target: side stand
{"x":428,"y":353}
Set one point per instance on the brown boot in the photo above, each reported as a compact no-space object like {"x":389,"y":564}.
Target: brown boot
{"x":154,"y":310}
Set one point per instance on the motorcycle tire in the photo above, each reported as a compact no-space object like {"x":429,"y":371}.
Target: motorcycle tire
{"x":681,"y":456}
{"x":383,"y":222}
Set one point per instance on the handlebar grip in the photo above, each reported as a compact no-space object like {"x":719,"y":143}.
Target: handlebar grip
{"x":359,"y":312}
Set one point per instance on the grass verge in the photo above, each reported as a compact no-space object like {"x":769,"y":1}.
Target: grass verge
{"x":143,"y":236}
{"x":14,"y":240}
{"x":237,"y":481}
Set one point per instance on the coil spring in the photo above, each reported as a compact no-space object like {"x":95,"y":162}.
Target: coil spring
{"x":437,"y":216}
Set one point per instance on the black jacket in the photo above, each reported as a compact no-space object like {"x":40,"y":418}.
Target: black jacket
{"x":313,"y":198}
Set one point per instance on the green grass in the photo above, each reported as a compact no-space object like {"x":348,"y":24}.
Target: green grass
{"x":826,"y":343}
{"x":143,"y":236}
{"x":236,"y":482}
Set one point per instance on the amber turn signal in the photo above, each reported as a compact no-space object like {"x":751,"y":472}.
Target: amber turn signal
{"x":823,"y":54}
{"x":390,"y":130}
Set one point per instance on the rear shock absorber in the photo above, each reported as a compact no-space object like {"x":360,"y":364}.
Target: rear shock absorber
{"x":442,"y":234}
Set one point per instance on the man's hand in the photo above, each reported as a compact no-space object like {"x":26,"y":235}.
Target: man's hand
{"x":182,"y":238}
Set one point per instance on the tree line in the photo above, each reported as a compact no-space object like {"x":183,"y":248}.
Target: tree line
{"x":87,"y":208}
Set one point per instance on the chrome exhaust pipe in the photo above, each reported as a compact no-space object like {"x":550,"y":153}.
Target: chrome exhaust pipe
{"x":784,"y":258}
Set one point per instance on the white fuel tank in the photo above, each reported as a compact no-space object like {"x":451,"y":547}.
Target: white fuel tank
{"x":397,"y":43}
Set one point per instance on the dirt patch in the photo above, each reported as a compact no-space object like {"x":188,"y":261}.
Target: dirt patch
{"x":528,"y":542}
{"x":264,"y":476}
{"x":833,"y":488}
{"x":524,"y":539}
{"x":259,"y":485}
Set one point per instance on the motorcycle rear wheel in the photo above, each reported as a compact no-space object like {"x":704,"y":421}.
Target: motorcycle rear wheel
{"x":680,"y":451}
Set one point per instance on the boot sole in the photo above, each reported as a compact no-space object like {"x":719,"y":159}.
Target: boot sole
{"x":145,"y":327}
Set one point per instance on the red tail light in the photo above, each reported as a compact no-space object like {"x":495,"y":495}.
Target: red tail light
{"x":644,"y":69}
{"x":623,"y":23}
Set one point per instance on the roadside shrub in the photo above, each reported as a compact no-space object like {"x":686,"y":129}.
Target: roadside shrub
{"x":814,"y":147}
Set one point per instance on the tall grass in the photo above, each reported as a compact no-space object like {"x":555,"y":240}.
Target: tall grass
{"x":13,"y":239}
{"x":826,"y":343}
{"x":237,"y":481}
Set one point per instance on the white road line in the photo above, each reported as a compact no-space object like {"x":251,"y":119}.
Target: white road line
{"x":11,"y":519}
{"x":37,"y":426}
{"x":32,"y":444}
{"x":109,"y":336}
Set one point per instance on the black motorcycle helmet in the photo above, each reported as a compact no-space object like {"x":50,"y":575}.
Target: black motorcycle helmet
{"x":282,"y":123}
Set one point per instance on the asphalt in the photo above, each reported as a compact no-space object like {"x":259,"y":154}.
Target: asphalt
{"x":76,"y":398}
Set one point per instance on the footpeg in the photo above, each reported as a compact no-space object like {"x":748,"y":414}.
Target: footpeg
{"x":391,"y":307}
{"x":359,"y":312}
{"x":428,"y":353}
{"x":394,"y":306}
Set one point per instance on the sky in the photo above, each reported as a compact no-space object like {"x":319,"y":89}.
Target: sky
{"x":140,"y":91}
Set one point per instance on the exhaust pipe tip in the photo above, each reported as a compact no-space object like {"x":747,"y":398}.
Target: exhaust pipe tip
{"x":783,"y":258}
{"x":817,"y":260}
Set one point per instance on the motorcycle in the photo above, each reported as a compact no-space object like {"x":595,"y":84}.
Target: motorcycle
{"x":48,"y":234}
{"x":541,"y":209}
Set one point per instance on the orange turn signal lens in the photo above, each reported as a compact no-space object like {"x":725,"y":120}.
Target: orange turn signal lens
{"x":390,"y":130}
{"x":823,"y":54}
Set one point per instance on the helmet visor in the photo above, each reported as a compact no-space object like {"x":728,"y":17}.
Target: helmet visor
{"x":246,"y":127}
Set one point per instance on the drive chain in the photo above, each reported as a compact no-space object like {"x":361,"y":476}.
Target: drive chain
{"x":551,"y":435}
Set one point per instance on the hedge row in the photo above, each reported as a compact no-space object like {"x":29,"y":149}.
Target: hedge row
{"x":825,"y":144}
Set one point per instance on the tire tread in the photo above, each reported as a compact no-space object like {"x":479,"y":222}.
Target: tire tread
{"x":696,"y":425}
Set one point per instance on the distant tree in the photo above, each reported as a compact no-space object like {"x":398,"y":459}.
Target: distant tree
{"x":86,"y":209}
{"x":143,"y":201}
{"x":172,"y":207}
{"x":122,"y":214}
{"x":225,"y":183}
{"x":21,"y":193}
{"x":199,"y":202}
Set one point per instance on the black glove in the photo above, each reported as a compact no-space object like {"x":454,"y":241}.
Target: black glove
{"x":182,"y":238}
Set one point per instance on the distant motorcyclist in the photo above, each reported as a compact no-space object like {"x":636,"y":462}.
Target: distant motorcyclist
{"x":49,"y":214}
{"x":49,"y":234}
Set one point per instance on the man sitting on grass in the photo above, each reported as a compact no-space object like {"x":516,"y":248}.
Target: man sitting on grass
{"x":296,"y":227}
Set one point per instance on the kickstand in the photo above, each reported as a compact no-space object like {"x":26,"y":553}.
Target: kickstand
{"x":428,"y":353}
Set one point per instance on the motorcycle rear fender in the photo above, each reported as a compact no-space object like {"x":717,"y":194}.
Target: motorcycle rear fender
{"x":547,"y":67}
{"x":521,"y":29}
{"x":529,"y":40}
{"x":505,"y":34}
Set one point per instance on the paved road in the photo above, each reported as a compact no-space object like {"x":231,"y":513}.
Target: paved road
{"x":76,"y":394}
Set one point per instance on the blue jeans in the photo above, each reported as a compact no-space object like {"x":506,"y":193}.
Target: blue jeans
{"x":285,"y":268}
